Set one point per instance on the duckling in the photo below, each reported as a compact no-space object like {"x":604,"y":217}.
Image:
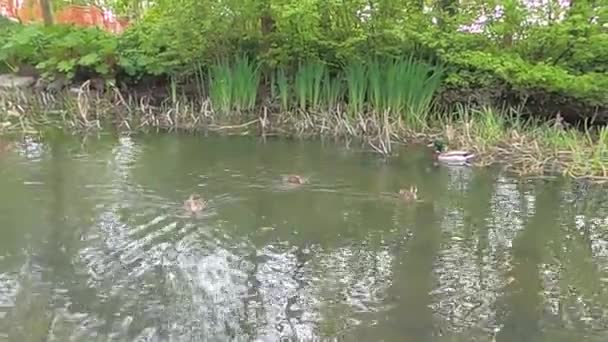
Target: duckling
{"x":295,"y":179}
{"x":195,"y":203}
{"x":409,"y":195}
{"x":451,"y":157}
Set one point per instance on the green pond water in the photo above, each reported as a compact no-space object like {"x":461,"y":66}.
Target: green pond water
{"x":95,"y":245}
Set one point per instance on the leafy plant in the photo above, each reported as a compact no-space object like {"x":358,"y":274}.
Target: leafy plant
{"x":554,"y":51}
{"x":23,"y":45}
{"x":62,"y":50}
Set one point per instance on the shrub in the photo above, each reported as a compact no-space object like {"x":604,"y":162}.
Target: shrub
{"x":62,"y":50}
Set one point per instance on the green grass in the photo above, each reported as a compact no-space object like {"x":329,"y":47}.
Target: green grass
{"x":355,"y":75}
{"x":332,"y":91}
{"x":221,"y":87}
{"x":403,"y":89}
{"x":528,"y":146}
{"x":234,"y":86}
{"x":246,"y":75}
{"x":280,"y":89}
{"x":308,"y":83}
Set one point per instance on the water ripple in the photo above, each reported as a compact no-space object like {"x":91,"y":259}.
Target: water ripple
{"x":111,"y":254}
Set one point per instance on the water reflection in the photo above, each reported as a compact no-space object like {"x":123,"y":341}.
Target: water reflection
{"x":95,"y":246}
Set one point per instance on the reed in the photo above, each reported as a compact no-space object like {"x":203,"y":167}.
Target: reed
{"x":486,"y":125}
{"x":221,"y":87}
{"x":199,"y":79}
{"x":332,"y":92}
{"x":246,"y":81}
{"x":356,"y":87}
{"x":282,"y":91}
{"x":308,"y":84}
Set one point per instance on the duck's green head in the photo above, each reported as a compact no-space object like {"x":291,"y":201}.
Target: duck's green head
{"x":438,"y":145}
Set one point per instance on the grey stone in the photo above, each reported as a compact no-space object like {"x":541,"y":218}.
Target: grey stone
{"x":10,"y":81}
{"x":57,"y":85}
{"x":41,"y":84}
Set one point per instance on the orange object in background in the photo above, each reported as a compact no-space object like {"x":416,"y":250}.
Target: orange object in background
{"x":27,"y":11}
{"x":8,"y":8}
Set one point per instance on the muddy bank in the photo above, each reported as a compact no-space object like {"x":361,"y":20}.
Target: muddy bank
{"x":537,"y":104}
{"x":533,"y":104}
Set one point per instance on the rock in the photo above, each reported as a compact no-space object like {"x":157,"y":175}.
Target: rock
{"x":28,"y":70}
{"x":54,"y":86}
{"x":75,"y":90}
{"x":57,"y":85}
{"x":41,"y":84}
{"x":9,"y":81}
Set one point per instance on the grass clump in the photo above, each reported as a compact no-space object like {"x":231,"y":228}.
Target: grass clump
{"x":233,"y":87}
{"x":527,"y":146}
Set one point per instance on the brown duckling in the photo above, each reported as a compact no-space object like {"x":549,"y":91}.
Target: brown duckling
{"x":295,"y":179}
{"x":409,"y":195}
{"x":195,"y":203}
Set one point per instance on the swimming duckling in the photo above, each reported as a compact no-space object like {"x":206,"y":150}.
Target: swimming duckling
{"x":195,"y":203}
{"x":409,"y":195}
{"x":451,"y":157}
{"x":295,"y":179}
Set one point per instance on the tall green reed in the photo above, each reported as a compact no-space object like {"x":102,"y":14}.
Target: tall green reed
{"x":332,"y":91}
{"x":173,"y":90}
{"x":598,"y":141}
{"x":308,"y":84}
{"x":280,"y":88}
{"x":199,"y":79}
{"x":403,"y":88}
{"x":486,"y":124}
{"x":246,"y":76}
{"x":234,"y":86}
{"x":355,"y":75}
{"x":221,"y":87}
{"x":410,"y":86}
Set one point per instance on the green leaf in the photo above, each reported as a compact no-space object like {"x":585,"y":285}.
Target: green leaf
{"x":89,"y":59}
{"x":66,"y":66}
{"x":102,"y":69}
{"x":127,"y":65}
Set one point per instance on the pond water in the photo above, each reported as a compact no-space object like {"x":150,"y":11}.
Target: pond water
{"x":95,"y":245}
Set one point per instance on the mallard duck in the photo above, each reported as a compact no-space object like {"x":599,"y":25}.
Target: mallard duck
{"x":295,"y":179}
{"x":451,"y":157}
{"x":409,"y":195}
{"x":195,"y":203}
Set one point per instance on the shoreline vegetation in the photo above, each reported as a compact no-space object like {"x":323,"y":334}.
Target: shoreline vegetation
{"x":525,"y":146}
{"x":527,"y":94}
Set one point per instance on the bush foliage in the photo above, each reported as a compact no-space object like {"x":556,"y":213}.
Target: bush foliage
{"x":560,"y":51}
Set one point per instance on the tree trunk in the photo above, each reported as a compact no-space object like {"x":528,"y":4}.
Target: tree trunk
{"x":448,"y":8}
{"x":418,"y":5}
{"x":267,"y":25}
{"x":266,"y":19}
{"x":47,"y":12}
